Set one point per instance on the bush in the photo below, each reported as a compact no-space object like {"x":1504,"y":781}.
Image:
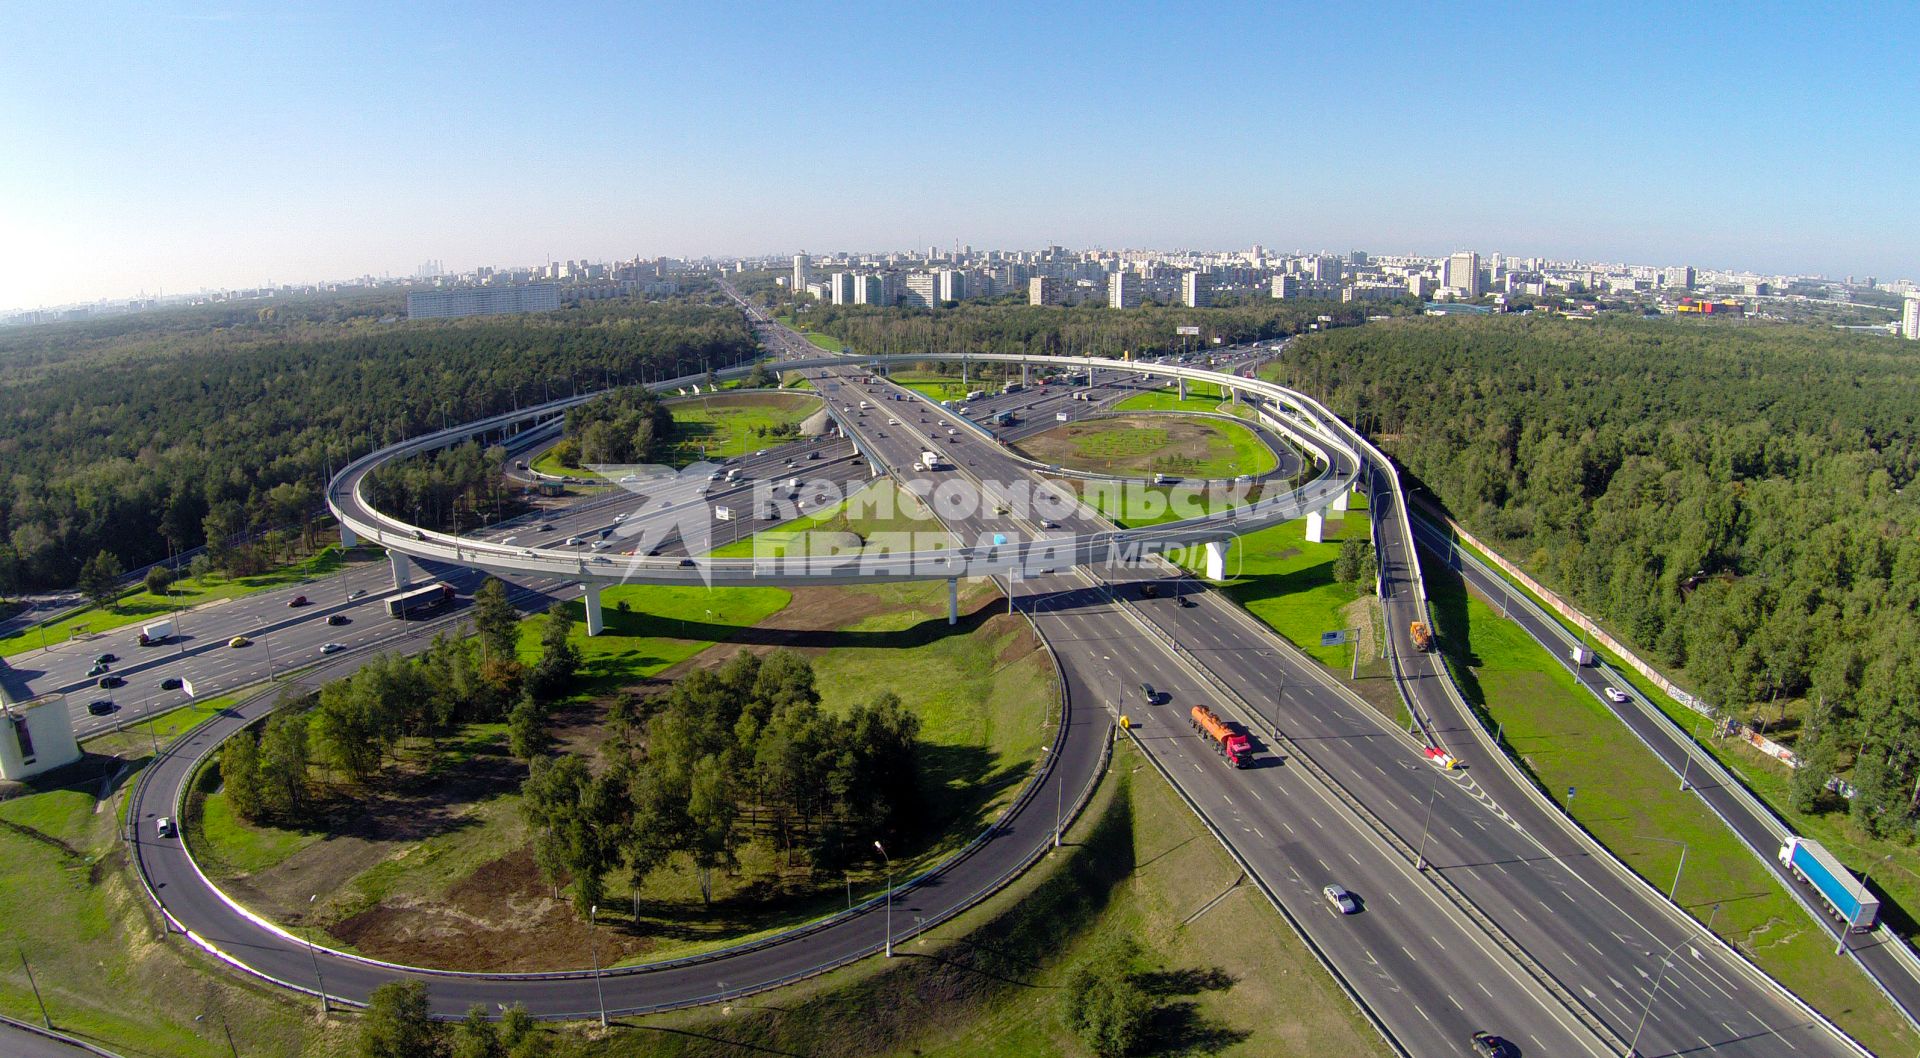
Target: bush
{"x":1103,"y":1004}
{"x":158,"y":580}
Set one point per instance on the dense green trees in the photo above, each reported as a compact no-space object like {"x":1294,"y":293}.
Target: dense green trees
{"x":1730,"y":498}
{"x":627,"y":426}
{"x":453,"y":488}
{"x":154,"y":433}
{"x":731,"y":755}
{"x":100,"y":578}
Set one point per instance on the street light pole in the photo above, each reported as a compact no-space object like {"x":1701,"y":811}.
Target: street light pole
{"x":1059,"y":797}
{"x":593,"y":943}
{"x":1672,"y":894}
{"x":889,"y":861}
{"x":1666,"y":963}
{"x":311,"y":954}
{"x":1420,"y":860}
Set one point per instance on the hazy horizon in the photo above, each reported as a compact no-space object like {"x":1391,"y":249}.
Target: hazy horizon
{"x":229,"y":147}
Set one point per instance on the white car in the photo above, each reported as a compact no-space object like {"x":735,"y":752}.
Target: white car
{"x":1341,"y":900}
{"x":331,"y":648}
{"x":510,"y":540}
{"x":574,"y":541}
{"x":1614,"y":695}
{"x":599,"y":545}
{"x":164,"y":826}
{"x":618,"y":518}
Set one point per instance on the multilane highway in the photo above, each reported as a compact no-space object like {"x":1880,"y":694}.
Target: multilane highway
{"x":1525,"y":931}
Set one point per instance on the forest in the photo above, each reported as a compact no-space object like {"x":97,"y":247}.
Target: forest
{"x":145,"y":435}
{"x":1730,"y":498}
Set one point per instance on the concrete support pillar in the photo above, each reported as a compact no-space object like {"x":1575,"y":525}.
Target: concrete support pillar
{"x":1025,"y":373}
{"x":1340,"y":501}
{"x":1316,"y":527}
{"x":1216,"y":560}
{"x":1234,"y":394}
{"x":953,"y":600}
{"x":1183,"y":387}
{"x":347,"y":536}
{"x":590,"y":598}
{"x":402,"y":570}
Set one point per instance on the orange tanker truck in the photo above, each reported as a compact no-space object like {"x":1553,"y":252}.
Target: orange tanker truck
{"x":1233,"y":745}
{"x":1422,"y":636}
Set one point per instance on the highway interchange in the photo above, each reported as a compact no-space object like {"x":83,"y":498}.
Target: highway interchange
{"x":1520,"y":926}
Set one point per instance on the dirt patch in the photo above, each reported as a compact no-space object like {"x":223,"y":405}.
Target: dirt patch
{"x":1123,"y":443}
{"x":502,"y":918}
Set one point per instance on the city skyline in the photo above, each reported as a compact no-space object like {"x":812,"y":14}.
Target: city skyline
{"x":193,"y":148}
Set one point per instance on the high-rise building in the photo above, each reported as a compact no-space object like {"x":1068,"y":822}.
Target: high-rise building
{"x":1196,"y":290}
{"x":1461,"y":272}
{"x":1420,"y":285}
{"x":482,"y":301}
{"x":1324,"y":270}
{"x":1680,"y":277}
{"x":1123,"y":290}
{"x":1286,"y":287}
{"x":840,"y":286}
{"x":800,"y":269}
{"x":867,"y":290}
{"x":1910,"y":319}
{"x":1044,"y":290}
{"x":952,"y":285}
{"x":922,"y":290}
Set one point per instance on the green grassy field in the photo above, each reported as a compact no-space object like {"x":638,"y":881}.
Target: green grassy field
{"x":1201,"y":396}
{"x":719,"y":427}
{"x":662,"y":626}
{"x":881,"y":515}
{"x":1629,"y":800}
{"x":140,"y":606}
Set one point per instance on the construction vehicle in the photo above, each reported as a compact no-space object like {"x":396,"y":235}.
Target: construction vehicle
{"x":1231,"y":744}
{"x":1422,"y":637}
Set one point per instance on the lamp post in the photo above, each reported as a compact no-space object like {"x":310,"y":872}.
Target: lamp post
{"x":224,"y":1027}
{"x":1666,"y":963}
{"x":1059,"y":797}
{"x":315,"y":956}
{"x":593,"y":944}
{"x":1420,"y":860}
{"x":889,"y":861}
{"x":1671,"y":893}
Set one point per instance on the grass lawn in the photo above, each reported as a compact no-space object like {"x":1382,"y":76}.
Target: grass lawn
{"x":945,"y":387}
{"x":663,"y":625}
{"x":1201,"y":396}
{"x":1153,"y":444}
{"x":730,"y":425}
{"x":1234,"y":981}
{"x":795,"y":380}
{"x":880,"y":510}
{"x":1629,"y":800}
{"x":140,"y":606}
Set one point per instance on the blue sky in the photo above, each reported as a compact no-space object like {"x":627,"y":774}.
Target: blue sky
{"x":182,"y":146}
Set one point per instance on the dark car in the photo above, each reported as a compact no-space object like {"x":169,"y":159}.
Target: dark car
{"x":171,"y":683}
{"x":298,"y":600}
{"x":1185,"y":600}
{"x":686,"y":562}
{"x":111,"y":682}
{"x":1149,"y":591}
{"x":101,"y":707}
{"x":1152,"y":696}
{"x":337,"y":619}
{"x":98,"y":668}
{"x":104,"y":659}
{"x":1488,"y":1045}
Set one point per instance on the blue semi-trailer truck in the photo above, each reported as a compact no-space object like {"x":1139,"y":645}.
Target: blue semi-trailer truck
{"x":1849,"y":901}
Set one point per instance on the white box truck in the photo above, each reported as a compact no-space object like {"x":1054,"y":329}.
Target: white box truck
{"x":931,"y":459}
{"x":155,"y":633}
{"x":1059,"y":416}
{"x":724,"y":514}
{"x":1580,"y":656}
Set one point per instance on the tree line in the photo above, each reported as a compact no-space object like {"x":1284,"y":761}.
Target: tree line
{"x":355,"y":727}
{"x":1083,"y":330}
{"x":731,"y":755}
{"x":1731,"y":500}
{"x":150,"y":434}
{"x":629,"y":425}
